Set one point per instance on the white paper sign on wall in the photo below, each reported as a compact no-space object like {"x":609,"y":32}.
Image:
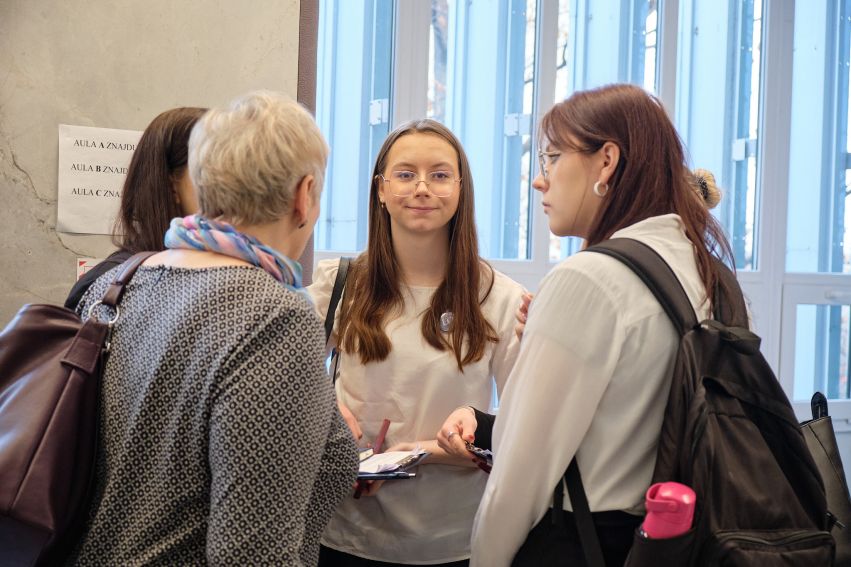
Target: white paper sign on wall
{"x":92,"y":166}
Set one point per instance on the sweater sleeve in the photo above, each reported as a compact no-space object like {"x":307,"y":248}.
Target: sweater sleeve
{"x":274,"y":424}
{"x":484,"y":429}
{"x":338,"y":449}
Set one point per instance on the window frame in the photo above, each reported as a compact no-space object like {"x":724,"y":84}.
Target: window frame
{"x":772,"y":292}
{"x":409,"y":101}
{"x":813,"y":288}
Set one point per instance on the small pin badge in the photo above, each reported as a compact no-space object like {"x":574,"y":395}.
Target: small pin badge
{"x":445,"y":321}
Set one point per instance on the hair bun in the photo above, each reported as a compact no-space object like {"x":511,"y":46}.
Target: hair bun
{"x":706,"y":187}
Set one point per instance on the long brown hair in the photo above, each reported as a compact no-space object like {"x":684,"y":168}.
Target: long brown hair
{"x":373,"y":288}
{"x":147,"y":198}
{"x":651,"y":177}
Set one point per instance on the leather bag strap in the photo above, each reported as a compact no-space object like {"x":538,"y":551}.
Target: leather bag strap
{"x":336,"y":294}
{"x":116,"y":288}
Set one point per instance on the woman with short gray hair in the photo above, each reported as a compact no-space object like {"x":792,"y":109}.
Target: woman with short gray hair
{"x":221,"y":441}
{"x":250,"y":158}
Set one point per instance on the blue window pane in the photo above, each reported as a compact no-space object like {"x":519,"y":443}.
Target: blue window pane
{"x":603,"y":42}
{"x":721,"y":132}
{"x":817,"y":239}
{"x":481,"y":85}
{"x":353,"y":111}
{"x":821,"y":351}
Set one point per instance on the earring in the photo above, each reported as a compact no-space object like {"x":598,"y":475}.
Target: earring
{"x":381,"y":204}
{"x":601,"y":192}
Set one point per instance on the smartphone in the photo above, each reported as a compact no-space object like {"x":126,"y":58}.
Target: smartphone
{"x":483,"y":454}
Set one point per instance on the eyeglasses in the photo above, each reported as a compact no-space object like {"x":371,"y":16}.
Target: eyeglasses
{"x":545,"y":158}
{"x":405,"y":183}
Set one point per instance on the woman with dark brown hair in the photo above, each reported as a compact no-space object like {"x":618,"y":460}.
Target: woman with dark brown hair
{"x":220,"y":442}
{"x":426,"y":325}
{"x":157,"y":189}
{"x":593,"y":372}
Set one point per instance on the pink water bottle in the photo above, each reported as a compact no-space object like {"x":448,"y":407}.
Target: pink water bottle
{"x":670,"y":510}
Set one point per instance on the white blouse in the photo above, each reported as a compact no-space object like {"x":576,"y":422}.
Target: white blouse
{"x":591,"y":380}
{"x":427,"y":519}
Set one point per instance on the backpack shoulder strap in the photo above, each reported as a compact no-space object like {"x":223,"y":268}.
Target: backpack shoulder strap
{"x":336,"y":294}
{"x":728,"y":299}
{"x":582,"y":515}
{"x":648,"y":265}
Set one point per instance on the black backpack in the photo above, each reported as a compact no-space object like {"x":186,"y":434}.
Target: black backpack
{"x":729,"y":433}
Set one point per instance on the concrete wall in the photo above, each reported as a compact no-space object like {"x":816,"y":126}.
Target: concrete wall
{"x":113,"y":64}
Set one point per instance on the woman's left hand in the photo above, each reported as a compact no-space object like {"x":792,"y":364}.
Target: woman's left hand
{"x":370,"y":487}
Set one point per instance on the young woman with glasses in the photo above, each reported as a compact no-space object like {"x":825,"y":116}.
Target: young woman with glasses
{"x":425,"y":326}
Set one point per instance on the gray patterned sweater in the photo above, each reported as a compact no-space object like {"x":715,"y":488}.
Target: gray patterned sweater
{"x":221,"y":442}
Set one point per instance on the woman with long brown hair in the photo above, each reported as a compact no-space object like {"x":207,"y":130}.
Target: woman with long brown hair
{"x":157,"y":189}
{"x":426,"y":325}
{"x":594,"y":369}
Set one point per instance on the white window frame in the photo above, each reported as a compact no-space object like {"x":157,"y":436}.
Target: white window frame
{"x":763,"y":286}
{"x":787,"y":290}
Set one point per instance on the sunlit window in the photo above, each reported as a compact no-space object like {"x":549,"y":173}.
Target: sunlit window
{"x":721,"y":132}
{"x":481,"y":83}
{"x":590,"y":54}
{"x":353,"y":111}
{"x":818,"y":239}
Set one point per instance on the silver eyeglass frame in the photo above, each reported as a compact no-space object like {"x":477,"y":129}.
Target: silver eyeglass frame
{"x":417,"y":184}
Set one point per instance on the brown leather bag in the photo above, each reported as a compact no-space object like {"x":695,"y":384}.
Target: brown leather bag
{"x":50,"y":368}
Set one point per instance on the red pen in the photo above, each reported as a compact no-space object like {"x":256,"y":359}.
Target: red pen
{"x":379,"y":439}
{"x":376,"y":448}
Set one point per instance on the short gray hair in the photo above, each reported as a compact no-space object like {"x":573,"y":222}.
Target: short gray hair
{"x":247,"y":159}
